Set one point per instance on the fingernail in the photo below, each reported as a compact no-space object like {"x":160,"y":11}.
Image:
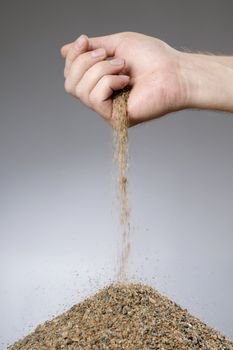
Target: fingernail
{"x":117,"y":61}
{"x":125,"y":77}
{"x":98,"y":53}
{"x":80,"y":41}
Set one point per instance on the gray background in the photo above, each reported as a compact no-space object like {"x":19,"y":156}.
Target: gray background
{"x":58,"y":219}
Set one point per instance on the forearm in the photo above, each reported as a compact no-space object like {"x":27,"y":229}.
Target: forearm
{"x":208,"y":81}
{"x":225,"y":60}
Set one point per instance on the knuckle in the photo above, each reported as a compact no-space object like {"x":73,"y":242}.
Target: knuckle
{"x":67,"y":86}
{"x":80,"y":59}
{"x":77,"y":60}
{"x":78,"y":92}
{"x":92,"y":99}
{"x":68,"y":64}
{"x":99,"y":68}
{"x":74,"y":66}
{"x":106,"y":80}
{"x":71,"y":53}
{"x":127,"y":34}
{"x":73,"y":50}
{"x":79,"y":64}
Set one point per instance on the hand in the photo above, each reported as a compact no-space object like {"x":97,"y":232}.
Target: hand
{"x":150,"y":67}
{"x":161,"y":79}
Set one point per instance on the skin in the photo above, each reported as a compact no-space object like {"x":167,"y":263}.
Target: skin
{"x":162,"y":79}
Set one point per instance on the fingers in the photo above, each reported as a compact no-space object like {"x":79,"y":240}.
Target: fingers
{"x":82,"y":80}
{"x":73,"y":50}
{"x":89,"y":76}
{"x":102,"y":72}
{"x":109,"y":42}
{"x":99,"y":97}
{"x":80,"y":66}
{"x":93,"y":79}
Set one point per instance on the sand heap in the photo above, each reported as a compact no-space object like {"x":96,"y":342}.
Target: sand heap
{"x":124,"y":317}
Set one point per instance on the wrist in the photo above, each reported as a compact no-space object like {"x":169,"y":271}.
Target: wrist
{"x":207,"y":84}
{"x":225,"y":60}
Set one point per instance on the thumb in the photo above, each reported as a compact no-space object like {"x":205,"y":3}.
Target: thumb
{"x":109,"y":42}
{"x":64,"y":49}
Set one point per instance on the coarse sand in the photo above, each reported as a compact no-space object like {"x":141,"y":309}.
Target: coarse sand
{"x":130,"y":316}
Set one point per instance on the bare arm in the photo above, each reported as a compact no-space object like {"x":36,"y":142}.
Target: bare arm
{"x":225,"y":60}
{"x":209,"y":81}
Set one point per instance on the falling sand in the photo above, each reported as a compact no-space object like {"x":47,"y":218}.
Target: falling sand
{"x":120,"y":136}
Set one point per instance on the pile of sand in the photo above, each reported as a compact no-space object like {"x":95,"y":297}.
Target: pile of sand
{"x":132,"y":317}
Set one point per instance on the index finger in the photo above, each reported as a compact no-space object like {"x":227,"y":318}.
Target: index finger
{"x":70,"y":47}
{"x":74,"y":49}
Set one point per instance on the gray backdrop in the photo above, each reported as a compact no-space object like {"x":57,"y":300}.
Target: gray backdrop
{"x":58,"y":219}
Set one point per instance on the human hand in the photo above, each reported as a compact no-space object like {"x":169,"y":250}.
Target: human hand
{"x":161,"y":78}
{"x":149,"y":67}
